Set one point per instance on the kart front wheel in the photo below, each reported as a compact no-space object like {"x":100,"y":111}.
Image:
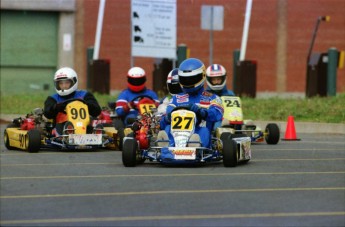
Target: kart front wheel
{"x":272,"y":133}
{"x":230,"y":154}
{"x":33,"y":141}
{"x":129,"y":152}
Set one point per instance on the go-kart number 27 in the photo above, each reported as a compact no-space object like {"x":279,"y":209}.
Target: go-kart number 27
{"x":78,"y":114}
{"x":182,"y":122}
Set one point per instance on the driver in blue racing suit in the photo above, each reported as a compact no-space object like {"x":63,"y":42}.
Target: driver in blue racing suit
{"x":126,"y":103}
{"x":216,"y":84}
{"x":216,"y":80}
{"x":207,"y":106}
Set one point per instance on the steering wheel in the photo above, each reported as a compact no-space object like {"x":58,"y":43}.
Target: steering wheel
{"x":140,"y":97}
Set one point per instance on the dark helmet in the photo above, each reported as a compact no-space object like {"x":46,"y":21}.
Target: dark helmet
{"x":173,"y":84}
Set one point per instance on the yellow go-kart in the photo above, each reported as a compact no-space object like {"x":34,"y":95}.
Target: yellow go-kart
{"x":234,"y":123}
{"x":76,"y":133}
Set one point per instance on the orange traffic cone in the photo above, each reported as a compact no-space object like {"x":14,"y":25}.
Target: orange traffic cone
{"x":290,"y":133}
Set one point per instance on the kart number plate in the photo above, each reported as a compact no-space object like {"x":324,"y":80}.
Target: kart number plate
{"x":146,"y":108}
{"x":185,"y":153}
{"x":182,"y":120}
{"x":85,"y":139}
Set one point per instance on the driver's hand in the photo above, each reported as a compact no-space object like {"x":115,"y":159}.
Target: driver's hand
{"x":131,"y":105}
{"x":195,"y":108}
{"x":201,"y":113}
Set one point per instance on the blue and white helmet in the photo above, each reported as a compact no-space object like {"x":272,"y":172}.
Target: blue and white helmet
{"x":173,"y":84}
{"x":191,"y":75}
{"x":216,"y":71}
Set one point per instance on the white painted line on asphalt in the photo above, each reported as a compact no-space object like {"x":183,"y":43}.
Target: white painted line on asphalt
{"x":169,"y":192}
{"x":171,"y":217}
{"x":166,"y":175}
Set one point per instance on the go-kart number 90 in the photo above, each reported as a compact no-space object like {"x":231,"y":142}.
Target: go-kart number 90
{"x":78,"y":114}
{"x":182,"y":122}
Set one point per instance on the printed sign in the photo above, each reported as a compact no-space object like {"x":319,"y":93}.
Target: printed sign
{"x":154,"y":28}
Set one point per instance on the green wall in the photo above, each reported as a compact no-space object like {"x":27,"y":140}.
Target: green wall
{"x":29,"y":42}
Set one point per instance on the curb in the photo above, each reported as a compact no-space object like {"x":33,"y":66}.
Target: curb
{"x":307,"y":127}
{"x":301,"y":127}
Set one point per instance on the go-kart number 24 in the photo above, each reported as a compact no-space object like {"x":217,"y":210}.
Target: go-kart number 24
{"x":78,"y":114}
{"x":231,"y":103}
{"x":184,"y":123}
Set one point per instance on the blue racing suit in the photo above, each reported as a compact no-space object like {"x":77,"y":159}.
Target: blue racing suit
{"x":222,"y":92}
{"x":204,"y":100}
{"x":126,"y":103}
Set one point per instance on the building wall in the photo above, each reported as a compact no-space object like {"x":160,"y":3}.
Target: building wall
{"x":33,"y":39}
{"x":279,"y":38}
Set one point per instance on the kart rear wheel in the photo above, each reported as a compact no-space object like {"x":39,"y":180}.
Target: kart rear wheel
{"x":118,"y":123}
{"x":129,"y":153}
{"x":272,"y":133}
{"x":33,"y":141}
{"x":120,"y":136}
{"x":230,"y":154}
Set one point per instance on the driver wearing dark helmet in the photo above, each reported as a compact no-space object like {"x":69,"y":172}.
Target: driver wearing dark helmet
{"x":207,"y":106}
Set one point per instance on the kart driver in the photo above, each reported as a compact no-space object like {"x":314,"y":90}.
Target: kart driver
{"x":207,"y":106}
{"x":216,"y":80}
{"x":173,"y":87}
{"x":128,"y":99}
{"x":66,"y":85}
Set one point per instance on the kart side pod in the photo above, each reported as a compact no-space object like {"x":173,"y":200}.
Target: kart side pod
{"x":15,"y":138}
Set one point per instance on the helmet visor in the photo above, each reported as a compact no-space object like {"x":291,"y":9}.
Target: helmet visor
{"x":136,"y":81}
{"x":64,"y":84}
{"x":217,"y":80}
{"x":190,"y":81}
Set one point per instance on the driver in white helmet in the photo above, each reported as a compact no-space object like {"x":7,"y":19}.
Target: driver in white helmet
{"x":128,"y":99}
{"x":66,"y":86}
{"x":216,"y":80}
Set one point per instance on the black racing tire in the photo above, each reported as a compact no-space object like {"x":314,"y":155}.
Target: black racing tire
{"x":120,"y":136}
{"x":129,"y":153}
{"x":272,"y":133}
{"x":224,"y":136}
{"x":118,"y":124}
{"x":33,"y":141}
{"x":239,"y":135}
{"x":230,"y":154}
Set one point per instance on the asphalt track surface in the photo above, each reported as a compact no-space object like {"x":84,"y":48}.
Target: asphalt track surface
{"x":293,"y":183}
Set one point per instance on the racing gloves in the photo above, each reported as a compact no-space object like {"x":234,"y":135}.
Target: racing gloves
{"x":201,"y":113}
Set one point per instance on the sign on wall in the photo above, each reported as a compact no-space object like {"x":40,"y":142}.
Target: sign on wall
{"x":153,"y":28}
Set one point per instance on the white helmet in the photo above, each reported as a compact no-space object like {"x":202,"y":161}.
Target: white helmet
{"x":66,"y":74}
{"x":136,"y":79}
{"x":216,"y":70}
